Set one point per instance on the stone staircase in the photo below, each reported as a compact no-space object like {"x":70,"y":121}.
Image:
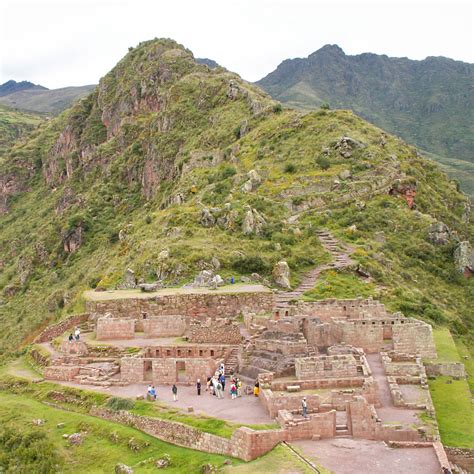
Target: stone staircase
{"x":342,"y":428}
{"x":340,"y":259}
{"x":232,"y":361}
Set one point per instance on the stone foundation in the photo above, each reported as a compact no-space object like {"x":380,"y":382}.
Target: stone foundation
{"x":111,"y":328}
{"x":164,"y":326}
{"x":326,"y":367}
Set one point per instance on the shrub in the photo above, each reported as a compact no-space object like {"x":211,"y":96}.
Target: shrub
{"x":325,"y":106}
{"x":277,"y":108}
{"x":227,"y":172}
{"x":117,"y":403}
{"x":250,"y":264}
{"x":148,"y":219}
{"x":290,"y":168}
{"x":323,"y":162}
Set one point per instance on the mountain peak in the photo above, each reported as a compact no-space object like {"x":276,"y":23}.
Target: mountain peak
{"x":330,"y":49}
{"x":12,"y":86}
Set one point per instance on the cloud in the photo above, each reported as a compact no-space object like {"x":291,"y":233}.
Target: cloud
{"x":61,"y":43}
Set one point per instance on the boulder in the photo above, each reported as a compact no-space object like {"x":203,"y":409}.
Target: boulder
{"x":215,"y":263}
{"x":346,"y":145}
{"x":163,"y":462}
{"x":76,"y":438}
{"x":203,"y":279}
{"x":464,"y":258}
{"x":439,"y":233}
{"x":345,"y":174}
{"x":253,"y":182}
{"x":281,"y":275}
{"x":150,"y":287}
{"x":216,"y":281}
{"x":129,"y":280}
{"x":253,"y":222}
{"x":121,"y":468}
{"x":207,"y":219}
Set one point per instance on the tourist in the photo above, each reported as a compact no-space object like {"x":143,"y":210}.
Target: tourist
{"x":222,"y":369}
{"x":198,"y":386}
{"x":208,"y":384}
{"x":153,"y":393}
{"x":222,"y":381}
{"x":238,"y":384}
{"x":304,"y":406}
{"x":77,"y":333}
{"x":174,"y":389}
{"x":233,"y":391}
{"x":256,"y":389}
{"x":219,"y":390}
{"x":148,"y":392}
{"x":71,"y":337}
{"x":446,"y":470}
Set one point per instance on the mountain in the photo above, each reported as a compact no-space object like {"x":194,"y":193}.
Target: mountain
{"x":167,"y":166}
{"x":428,"y":103}
{"x":15,"y":124}
{"x":50,"y":101}
{"x":207,"y":62}
{"x":11,"y":86}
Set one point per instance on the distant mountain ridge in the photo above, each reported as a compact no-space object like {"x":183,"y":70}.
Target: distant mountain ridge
{"x":12,"y":86}
{"x":42,"y":100}
{"x":428,"y":103}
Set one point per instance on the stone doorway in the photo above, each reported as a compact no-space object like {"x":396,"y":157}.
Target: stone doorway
{"x":180,"y":371}
{"x":147,"y":371}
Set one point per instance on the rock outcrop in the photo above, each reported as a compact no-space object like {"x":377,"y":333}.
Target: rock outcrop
{"x":439,"y":233}
{"x":464,"y":258}
{"x":281,"y":275}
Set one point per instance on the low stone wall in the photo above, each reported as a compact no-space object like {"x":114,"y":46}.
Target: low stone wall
{"x":74,"y":347}
{"x":61,"y":372}
{"x":191,"y":305}
{"x":451,"y":369}
{"x":316,"y":426}
{"x":61,"y":327}
{"x":416,"y":337}
{"x":274,"y":403}
{"x":111,"y":328}
{"x":245,"y":443}
{"x":167,"y":325}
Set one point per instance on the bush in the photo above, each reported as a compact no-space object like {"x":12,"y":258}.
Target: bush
{"x":277,"y":108}
{"x":250,"y":264}
{"x":323,"y":162}
{"x":325,"y":106}
{"x":290,"y":168}
{"x":227,"y":172}
{"x":148,"y":219}
{"x":117,"y":403}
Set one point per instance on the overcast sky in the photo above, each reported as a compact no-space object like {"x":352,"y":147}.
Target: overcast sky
{"x":75,"y":42}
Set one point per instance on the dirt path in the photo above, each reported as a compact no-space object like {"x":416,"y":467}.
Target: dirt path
{"x":340,"y":254}
{"x":349,"y":456}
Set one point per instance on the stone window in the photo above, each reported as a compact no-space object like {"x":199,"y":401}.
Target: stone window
{"x":168,"y":352}
{"x":179,"y":352}
{"x":212,"y":353}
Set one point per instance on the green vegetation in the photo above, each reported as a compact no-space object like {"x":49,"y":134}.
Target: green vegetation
{"x":420,"y":103}
{"x":332,"y":284}
{"x":454,"y":412}
{"x":445,"y":347}
{"x":15,"y":124}
{"x":105,"y":444}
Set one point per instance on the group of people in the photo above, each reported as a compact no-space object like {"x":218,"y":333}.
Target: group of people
{"x":75,"y":336}
{"x":216,"y":384}
{"x":151,"y":394}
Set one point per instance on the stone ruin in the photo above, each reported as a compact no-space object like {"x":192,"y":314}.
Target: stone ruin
{"x":336,"y":353}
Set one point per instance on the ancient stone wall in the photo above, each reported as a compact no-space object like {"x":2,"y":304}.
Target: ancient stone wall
{"x":111,"y":328}
{"x":318,"y":334}
{"x":341,"y":309}
{"x":61,"y":372}
{"x":61,"y":327}
{"x":191,"y":305}
{"x":451,"y":369}
{"x":164,"y":326}
{"x":273,"y":403}
{"x":132,"y":369}
{"x":368,"y":335}
{"x":316,"y":426}
{"x":414,"y":337}
{"x":74,"y":347}
{"x":227,"y":333}
{"x":189,"y":351}
{"x":323,"y":366}
{"x":187,"y":371}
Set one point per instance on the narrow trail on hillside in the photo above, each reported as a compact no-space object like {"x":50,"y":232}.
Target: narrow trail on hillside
{"x":340,"y":254}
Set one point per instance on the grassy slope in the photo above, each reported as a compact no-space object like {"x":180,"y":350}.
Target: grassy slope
{"x":453,"y":400}
{"x":15,"y":124}
{"x":51,"y":101}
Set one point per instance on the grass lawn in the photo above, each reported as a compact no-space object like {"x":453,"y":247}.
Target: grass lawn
{"x":445,"y":346}
{"x":464,"y":351}
{"x":454,"y":411}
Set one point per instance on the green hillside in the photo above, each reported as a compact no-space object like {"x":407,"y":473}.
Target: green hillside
{"x":168,"y":154}
{"x":428,"y":103}
{"x":15,"y":124}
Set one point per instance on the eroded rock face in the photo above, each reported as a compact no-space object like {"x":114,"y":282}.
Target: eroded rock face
{"x":406,"y":190}
{"x":281,"y":275}
{"x":207,"y":219}
{"x":9,"y":185}
{"x":346,"y":146}
{"x":253,"y":182}
{"x":439,"y":233}
{"x":73,"y":239}
{"x":253,"y":222}
{"x":464,"y":258}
